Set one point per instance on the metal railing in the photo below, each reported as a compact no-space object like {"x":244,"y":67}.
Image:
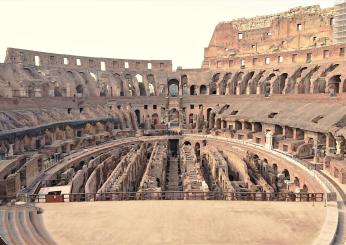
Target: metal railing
{"x":178,"y":195}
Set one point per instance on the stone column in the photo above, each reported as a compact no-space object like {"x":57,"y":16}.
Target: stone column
{"x":10,"y":150}
{"x":340,"y":146}
{"x":316,"y":151}
{"x":258,"y":89}
{"x":237,"y":92}
{"x":269,"y":140}
{"x":197,"y":91}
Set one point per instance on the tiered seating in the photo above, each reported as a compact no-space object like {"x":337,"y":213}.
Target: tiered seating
{"x":22,"y":225}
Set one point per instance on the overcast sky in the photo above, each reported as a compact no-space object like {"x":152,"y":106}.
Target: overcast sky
{"x":133,"y":29}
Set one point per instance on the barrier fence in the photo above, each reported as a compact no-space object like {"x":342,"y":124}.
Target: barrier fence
{"x":178,"y":195}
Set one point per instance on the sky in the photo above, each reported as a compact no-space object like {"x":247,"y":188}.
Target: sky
{"x":177,"y":30}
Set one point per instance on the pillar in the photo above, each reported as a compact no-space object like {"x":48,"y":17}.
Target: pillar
{"x":10,"y":150}
{"x":340,"y":146}
{"x":269,"y":140}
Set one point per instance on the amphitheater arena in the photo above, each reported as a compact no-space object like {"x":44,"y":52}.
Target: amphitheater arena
{"x":247,"y":149}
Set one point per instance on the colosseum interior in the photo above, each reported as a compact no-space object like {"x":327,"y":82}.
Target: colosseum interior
{"x":247,"y":149}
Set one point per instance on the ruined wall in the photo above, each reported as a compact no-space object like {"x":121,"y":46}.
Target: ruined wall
{"x":36,"y":58}
{"x":299,"y":29}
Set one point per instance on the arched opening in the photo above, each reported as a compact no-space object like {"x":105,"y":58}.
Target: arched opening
{"x":119,"y":85}
{"x":187,"y":143}
{"x":275,"y":168}
{"x":213,"y":84}
{"x":155,"y":119}
{"x":193,"y":90}
{"x":152,"y":85}
{"x":238,"y":125}
{"x":218,"y":123}
{"x":79,"y":89}
{"x":173,"y":87}
{"x":184,"y":83}
{"x":208,"y":115}
{"x":334,"y":84}
{"x":142,"y":91}
{"x":279,"y":84}
{"x":244,"y":83}
{"x":300,"y":134}
{"x":173,"y":117}
{"x":305,"y":189}
{"x":162,"y":90}
{"x":286,"y":174}
{"x":57,"y":92}
{"x":223,"y":83}
{"x":191,"y":118}
{"x":198,"y":151}
{"x":224,"y":124}
{"x":258,"y":127}
{"x":130,"y":85}
{"x":247,"y":126}
{"x":278,"y":130}
{"x":138,"y":116}
{"x":296,"y":181}
{"x":203,"y":90}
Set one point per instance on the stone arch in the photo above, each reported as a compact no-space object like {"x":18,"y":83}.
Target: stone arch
{"x":142,"y":90}
{"x":192,"y":90}
{"x":218,"y":123}
{"x":243,"y":84}
{"x":232,"y":86}
{"x":138,"y":116}
{"x":265,"y":86}
{"x":80,"y":89}
{"x":292,"y":81}
{"x":213,"y":84}
{"x":275,"y":168}
{"x":198,"y":150}
{"x":152,"y":84}
{"x":296,"y":182}
{"x":70,"y":75}
{"x":162,"y":90}
{"x":45,"y":90}
{"x":173,"y":87}
{"x":185,"y":85}
{"x":130,"y":85}
{"x":286,"y":174}
{"x":58,"y":91}
{"x":223,"y":83}
{"x":119,"y":84}
{"x":304,"y":85}
{"x":258,"y":127}
{"x":334,"y":84}
{"x":191,"y":118}
{"x":248,"y":126}
{"x":84,"y":77}
{"x":252,"y":85}
{"x":279,"y":84}
{"x":208,"y":114}
{"x":203,"y":90}
{"x":238,"y":125}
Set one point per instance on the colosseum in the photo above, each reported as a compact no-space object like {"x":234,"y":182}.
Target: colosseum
{"x":247,"y":149}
